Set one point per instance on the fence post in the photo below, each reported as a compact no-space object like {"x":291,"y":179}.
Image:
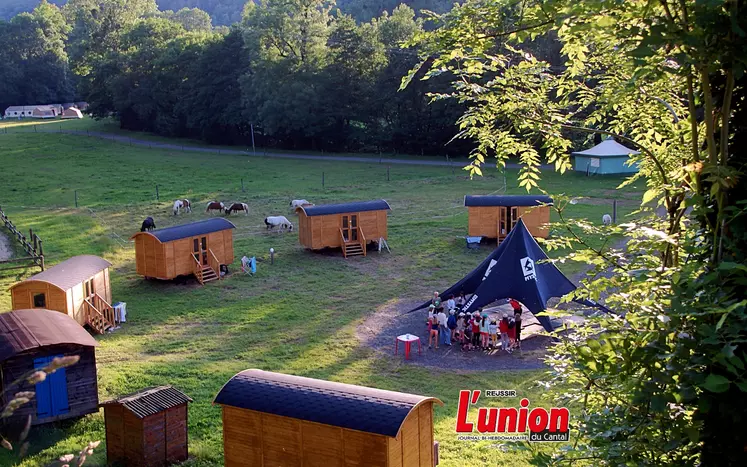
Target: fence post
{"x":76,"y":198}
{"x":41,"y":253}
{"x":387,"y":173}
{"x":614,"y":211}
{"x":322,"y":179}
{"x":157,"y":195}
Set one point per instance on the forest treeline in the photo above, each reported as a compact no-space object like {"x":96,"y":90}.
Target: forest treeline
{"x":228,"y":12}
{"x":301,"y":73}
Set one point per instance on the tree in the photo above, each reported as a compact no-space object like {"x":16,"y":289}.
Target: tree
{"x":663,"y":382}
{"x":287,"y":41}
{"x":192,"y":19}
{"x":35,"y":63}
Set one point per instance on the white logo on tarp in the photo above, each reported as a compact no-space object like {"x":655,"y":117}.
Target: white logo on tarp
{"x":527,"y":267}
{"x":470,"y":302}
{"x":490,"y":268}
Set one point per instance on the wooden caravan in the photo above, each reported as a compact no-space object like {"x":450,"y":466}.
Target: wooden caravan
{"x":148,"y":428}
{"x":31,"y":339}
{"x":495,"y":216}
{"x":199,"y":248}
{"x":350,"y":226}
{"x":78,"y":287}
{"x":282,"y":420}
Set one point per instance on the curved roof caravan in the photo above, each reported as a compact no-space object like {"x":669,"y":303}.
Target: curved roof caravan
{"x":31,"y":339}
{"x":285,"y":420}
{"x":198,"y":248}
{"x":495,"y":216}
{"x":349,"y":226}
{"x":78,"y":287}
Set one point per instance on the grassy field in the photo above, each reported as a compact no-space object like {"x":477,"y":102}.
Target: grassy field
{"x":297,"y":316}
{"x":90,"y":127}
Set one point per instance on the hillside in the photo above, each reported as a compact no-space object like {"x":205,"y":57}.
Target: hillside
{"x":226,"y":12}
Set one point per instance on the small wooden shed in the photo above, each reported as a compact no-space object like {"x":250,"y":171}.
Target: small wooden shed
{"x":606,"y":158}
{"x":78,"y":287}
{"x":349,"y":226}
{"x":31,"y":339}
{"x":198,"y":248}
{"x":493,"y":216}
{"x":287,"y":421}
{"x":147,"y":428}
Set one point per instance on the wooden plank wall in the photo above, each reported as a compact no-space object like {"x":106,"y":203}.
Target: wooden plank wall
{"x":304,"y":229}
{"x":133,"y":438}
{"x":82,"y":388}
{"x":177,"y":445}
{"x":536,"y":218}
{"x":114,"y":428}
{"x":414,"y":445}
{"x":256,"y":439}
{"x":22,"y":296}
{"x":324,"y":231}
{"x":483,"y":221}
{"x":172,"y":259}
{"x":154,"y":439}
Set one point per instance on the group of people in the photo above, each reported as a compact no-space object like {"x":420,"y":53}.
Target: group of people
{"x":448,"y":323}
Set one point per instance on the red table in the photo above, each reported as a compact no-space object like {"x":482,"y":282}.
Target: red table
{"x":408,"y":339}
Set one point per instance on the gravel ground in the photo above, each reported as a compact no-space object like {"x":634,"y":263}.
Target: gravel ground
{"x":381,"y":328}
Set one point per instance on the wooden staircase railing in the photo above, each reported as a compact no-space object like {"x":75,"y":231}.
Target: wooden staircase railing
{"x":197,"y":266}
{"x":353,"y":248}
{"x":343,"y":243}
{"x":99,"y":314}
{"x":213,"y":262}
{"x":207,"y":273}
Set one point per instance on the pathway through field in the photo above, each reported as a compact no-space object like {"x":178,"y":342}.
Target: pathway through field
{"x":179,"y":147}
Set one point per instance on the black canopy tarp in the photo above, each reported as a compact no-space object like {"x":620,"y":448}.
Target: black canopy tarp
{"x":516,"y":269}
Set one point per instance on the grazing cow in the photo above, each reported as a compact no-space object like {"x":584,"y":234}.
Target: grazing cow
{"x":215,"y":206}
{"x":297,"y":203}
{"x":182,"y":204}
{"x":236,"y":207}
{"x":607,"y":219}
{"x":148,"y":224}
{"x":278,"y":221}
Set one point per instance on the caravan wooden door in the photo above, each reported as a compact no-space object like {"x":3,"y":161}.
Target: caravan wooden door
{"x":503,"y":225}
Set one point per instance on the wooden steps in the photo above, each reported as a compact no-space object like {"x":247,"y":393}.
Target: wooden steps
{"x":353,"y":249}
{"x":99,"y":315}
{"x":209,"y":275}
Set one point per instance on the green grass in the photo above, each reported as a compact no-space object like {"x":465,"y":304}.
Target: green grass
{"x":297,"y":316}
{"x":111,"y":126}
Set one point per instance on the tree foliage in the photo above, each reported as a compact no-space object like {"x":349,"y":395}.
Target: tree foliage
{"x":664,"y":381}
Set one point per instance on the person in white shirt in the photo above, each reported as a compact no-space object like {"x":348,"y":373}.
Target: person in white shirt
{"x":450,"y":303}
{"x":443,"y":330}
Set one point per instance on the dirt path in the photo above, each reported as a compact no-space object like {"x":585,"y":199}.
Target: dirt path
{"x":379,"y":332}
{"x":6,"y":252}
{"x":178,"y":147}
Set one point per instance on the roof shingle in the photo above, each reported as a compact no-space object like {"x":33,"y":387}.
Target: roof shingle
{"x":193,"y":229}
{"x":151,"y":401}
{"x":23,"y":330}
{"x":506,"y":200}
{"x":70,"y":272}
{"x":342,"y":208}
{"x":343,"y":405}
